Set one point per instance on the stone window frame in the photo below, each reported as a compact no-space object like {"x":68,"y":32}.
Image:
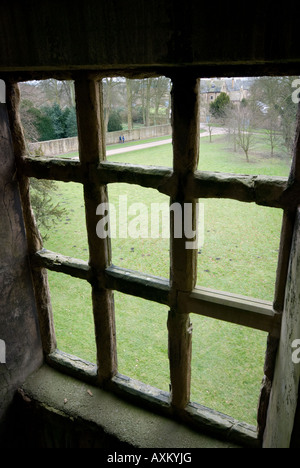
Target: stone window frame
{"x":182,"y":183}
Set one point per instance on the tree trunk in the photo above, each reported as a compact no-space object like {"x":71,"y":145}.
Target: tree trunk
{"x":129,"y":103}
{"x":107,"y":104}
{"x":147,"y":106}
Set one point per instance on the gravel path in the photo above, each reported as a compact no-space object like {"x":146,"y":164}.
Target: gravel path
{"x":127,"y":149}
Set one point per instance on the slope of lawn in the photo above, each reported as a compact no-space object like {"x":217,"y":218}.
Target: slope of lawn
{"x":239,"y":255}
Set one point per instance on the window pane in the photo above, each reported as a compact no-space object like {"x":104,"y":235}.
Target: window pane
{"x":136,"y":112}
{"x":139,"y":219}
{"x":142,"y":339}
{"x":227,"y":367}
{"x":66,"y":233}
{"x":48,"y":115}
{"x":240,"y":250}
{"x":73,"y":316}
{"x":249,"y":125}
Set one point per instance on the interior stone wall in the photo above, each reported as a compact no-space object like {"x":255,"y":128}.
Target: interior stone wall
{"x":19,"y":329}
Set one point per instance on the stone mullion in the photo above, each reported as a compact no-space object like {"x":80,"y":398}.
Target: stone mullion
{"x":91,"y":136}
{"x":183,"y":268}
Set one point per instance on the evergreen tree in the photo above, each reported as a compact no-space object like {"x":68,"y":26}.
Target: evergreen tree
{"x":37,"y":125}
{"x":70,"y":122}
{"x":55,"y":113}
{"x":46,"y":213}
{"x":44,"y":126}
{"x":219,"y":106}
{"x":115,"y":122}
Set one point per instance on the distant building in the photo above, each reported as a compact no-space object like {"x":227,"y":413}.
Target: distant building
{"x":236,"y":88}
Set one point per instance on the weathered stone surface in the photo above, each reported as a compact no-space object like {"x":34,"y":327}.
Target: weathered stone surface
{"x":34,"y":239}
{"x":18,"y":321}
{"x":52,"y":169}
{"x":91,"y":135}
{"x":284,"y":394}
{"x":86,"y":35}
{"x":139,"y":284}
{"x":95,"y":412}
{"x":61,"y":264}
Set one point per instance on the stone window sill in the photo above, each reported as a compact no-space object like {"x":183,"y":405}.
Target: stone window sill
{"x":74,"y":414}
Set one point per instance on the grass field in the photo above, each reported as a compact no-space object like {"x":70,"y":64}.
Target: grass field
{"x":239,"y":255}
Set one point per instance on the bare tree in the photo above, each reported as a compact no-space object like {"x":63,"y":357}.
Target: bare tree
{"x":147,"y":102}
{"x":161,"y":90}
{"x":244,"y":131}
{"x":265,"y":91}
{"x":68,"y":93}
{"x":107,"y":100}
{"x":129,"y":103}
{"x":28,"y":119}
{"x":272,"y":126}
{"x":231,"y":123}
{"x":274,"y":95}
{"x":241,"y":121}
{"x":53,"y":91}
{"x":113,"y":96}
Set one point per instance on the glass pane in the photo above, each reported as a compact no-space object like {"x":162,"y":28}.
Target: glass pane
{"x":142,"y":340}
{"x":139,"y":220}
{"x":65,"y":230}
{"x":227,"y":367}
{"x":73,"y":316}
{"x":137,"y":114}
{"x":240,"y":249}
{"x":48,"y":115}
{"x":248,"y":124}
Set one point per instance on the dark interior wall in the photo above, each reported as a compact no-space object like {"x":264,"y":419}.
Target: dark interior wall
{"x":18,"y":322}
{"x":72,"y":34}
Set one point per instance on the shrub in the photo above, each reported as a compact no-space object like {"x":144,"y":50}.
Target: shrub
{"x":115,"y":122}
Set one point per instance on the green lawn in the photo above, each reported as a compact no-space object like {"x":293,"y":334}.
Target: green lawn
{"x":239,"y":255}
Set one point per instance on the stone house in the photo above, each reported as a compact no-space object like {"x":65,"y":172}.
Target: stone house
{"x":236,"y":88}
